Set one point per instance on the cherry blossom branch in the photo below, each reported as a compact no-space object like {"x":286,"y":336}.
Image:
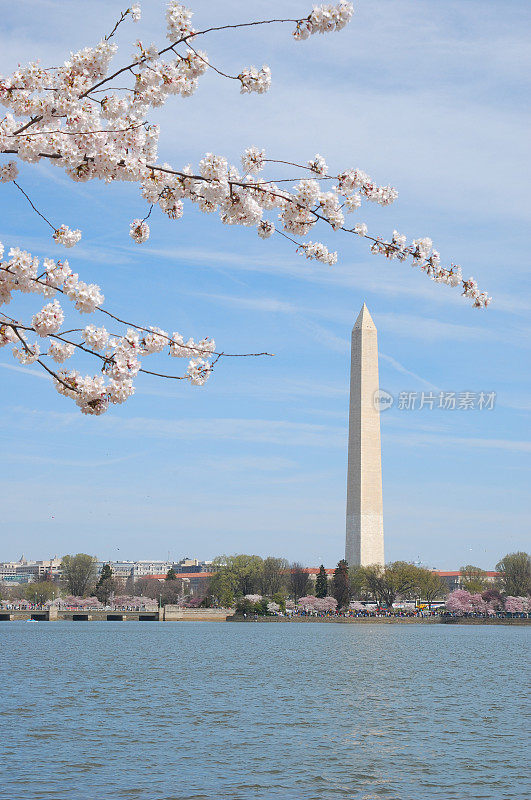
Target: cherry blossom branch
{"x":193,"y":349}
{"x":37,"y":360}
{"x":211,"y":66}
{"x":33,"y":207}
{"x":420,"y":250}
{"x":123,"y":16}
{"x":63,"y":234}
{"x":77,"y":133}
{"x":60,"y":337}
{"x":121,"y":355}
{"x":52,"y":114}
{"x":182,"y":39}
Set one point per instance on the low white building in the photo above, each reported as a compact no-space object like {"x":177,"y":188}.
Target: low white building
{"x":135,"y":569}
{"x":24,"y":571}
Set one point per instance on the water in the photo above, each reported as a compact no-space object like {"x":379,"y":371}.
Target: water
{"x":236,"y":711}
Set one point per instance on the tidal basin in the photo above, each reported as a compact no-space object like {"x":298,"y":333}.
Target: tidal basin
{"x":203,"y":711}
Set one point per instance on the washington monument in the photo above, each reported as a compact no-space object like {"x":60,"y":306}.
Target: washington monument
{"x":364,"y":537}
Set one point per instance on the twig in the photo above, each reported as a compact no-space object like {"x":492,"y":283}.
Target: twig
{"x":119,"y":22}
{"x":43,"y":365}
{"x":53,"y":227}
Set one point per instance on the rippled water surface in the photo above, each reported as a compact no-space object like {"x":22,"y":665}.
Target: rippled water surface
{"x":240,"y":711}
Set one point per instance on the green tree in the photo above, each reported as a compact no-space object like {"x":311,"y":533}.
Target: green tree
{"x":40,"y":592}
{"x":280,"y":598}
{"x":473,"y":579}
{"x":371,"y":581}
{"x":298,"y":581}
{"x":261,"y":607}
{"x":106,"y":585}
{"x":244,"y":606}
{"x":400,"y":580}
{"x":222,"y":587}
{"x":341,"y":584}
{"x":79,"y":574}
{"x":171,"y":575}
{"x":430,"y":586}
{"x":248,"y":572}
{"x":321,"y":583}
{"x":385,"y":584}
{"x":358,"y":583}
{"x":515,"y":574}
{"x":275,"y":573}
{"x":243,"y":573}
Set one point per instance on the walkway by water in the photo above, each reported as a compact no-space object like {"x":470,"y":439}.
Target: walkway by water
{"x":203,"y":711}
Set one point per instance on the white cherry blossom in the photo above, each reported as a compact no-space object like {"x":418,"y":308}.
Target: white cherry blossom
{"x":67,"y":237}
{"x":319,"y":252}
{"x":95,"y":338}
{"x":7,"y":336}
{"x":179,"y":21}
{"x":318,"y":165}
{"x":253,"y":160}
{"x":85,"y":296}
{"x":198,"y":371}
{"x":139,"y":231}
{"x":49,"y":319}
{"x":27,"y":354}
{"x":8,"y":172}
{"x":265,"y":229}
{"x":155,"y":342}
{"x":324,"y":19}
{"x":255,"y":80}
{"x":60,"y":351}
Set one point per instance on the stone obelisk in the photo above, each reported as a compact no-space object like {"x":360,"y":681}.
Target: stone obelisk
{"x":364,"y":537}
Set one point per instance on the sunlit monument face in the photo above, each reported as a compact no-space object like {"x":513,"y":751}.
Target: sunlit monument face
{"x":364,"y":534}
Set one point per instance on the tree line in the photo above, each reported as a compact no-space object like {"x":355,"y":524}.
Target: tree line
{"x":240,"y":575}
{"x":236,"y":576}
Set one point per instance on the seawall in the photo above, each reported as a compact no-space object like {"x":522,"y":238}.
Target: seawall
{"x":385,"y":620}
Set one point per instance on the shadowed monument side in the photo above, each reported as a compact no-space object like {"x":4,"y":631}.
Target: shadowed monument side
{"x":364,"y":542}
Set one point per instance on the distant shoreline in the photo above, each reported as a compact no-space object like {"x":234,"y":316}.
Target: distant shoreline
{"x":388,"y":620}
{"x":174,"y":614}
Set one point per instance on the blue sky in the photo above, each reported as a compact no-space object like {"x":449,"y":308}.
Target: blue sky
{"x":427,"y":96}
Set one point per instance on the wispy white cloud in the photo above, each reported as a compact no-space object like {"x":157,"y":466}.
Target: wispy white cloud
{"x":357,"y":275}
{"x":249,"y":464}
{"x":26,"y":370}
{"x":90,"y":464}
{"x":428,"y":440}
{"x":275,"y":432}
{"x":416,"y":326}
{"x":265,"y":304}
{"x":412,"y":326}
{"x":267,"y":431}
{"x":405,"y":371}
{"x":360,"y":276}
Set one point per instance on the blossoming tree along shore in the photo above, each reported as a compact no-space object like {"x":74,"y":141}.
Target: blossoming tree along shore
{"x":461,"y":601}
{"x":84,"y":120}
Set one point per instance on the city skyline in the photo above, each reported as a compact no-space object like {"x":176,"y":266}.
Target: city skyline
{"x":189,"y":562}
